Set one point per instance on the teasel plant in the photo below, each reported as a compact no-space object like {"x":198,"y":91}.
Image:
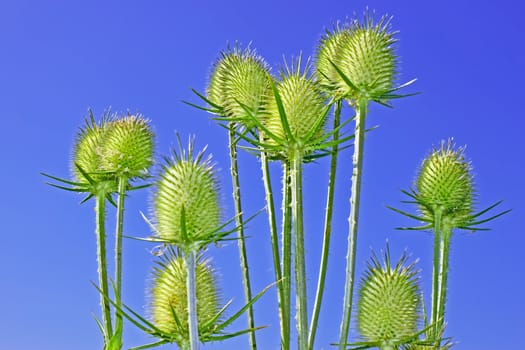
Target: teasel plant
{"x":107,"y":157}
{"x":357,"y":63}
{"x":186,"y":219}
{"x":389,"y":305}
{"x":445,"y":197}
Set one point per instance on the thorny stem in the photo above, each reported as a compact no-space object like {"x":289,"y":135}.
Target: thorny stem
{"x":243,"y":256}
{"x":122,"y":183}
{"x":357,"y":174}
{"x":287,"y":248}
{"x":327,"y":232}
{"x":191,"y":286}
{"x":443,"y":276}
{"x":100,"y":210}
{"x":270,"y":210}
{"x":299,"y":254}
{"x":436,"y":278}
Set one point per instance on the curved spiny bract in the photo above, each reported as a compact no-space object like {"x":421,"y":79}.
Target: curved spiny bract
{"x":389,"y":302}
{"x":239,"y":84}
{"x":364,"y":54}
{"x":186,"y":205}
{"x":168,"y":296}
{"x":299,"y":126}
{"x":445,"y":184}
{"x":128,"y":147}
{"x":88,"y":149}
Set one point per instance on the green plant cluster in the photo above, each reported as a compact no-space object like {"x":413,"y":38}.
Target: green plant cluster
{"x":292,"y":118}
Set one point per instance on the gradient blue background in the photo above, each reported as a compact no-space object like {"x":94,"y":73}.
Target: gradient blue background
{"x":59,"y":58}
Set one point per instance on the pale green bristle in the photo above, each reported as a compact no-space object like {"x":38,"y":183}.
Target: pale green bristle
{"x":190,"y":184}
{"x":128,"y":148}
{"x":445,"y":183}
{"x":303,"y":105}
{"x":239,"y":78}
{"x":388,"y":308}
{"x":169,"y":292}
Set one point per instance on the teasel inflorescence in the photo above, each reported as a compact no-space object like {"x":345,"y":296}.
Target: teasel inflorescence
{"x":168,"y":304}
{"x":445,"y":196}
{"x":388,"y":310}
{"x":186,"y":203}
{"x":238,"y":85}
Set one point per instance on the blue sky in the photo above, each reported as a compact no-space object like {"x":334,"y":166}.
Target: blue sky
{"x":59,"y":58}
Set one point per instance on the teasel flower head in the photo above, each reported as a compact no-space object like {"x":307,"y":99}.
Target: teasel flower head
{"x":388,"y":310}
{"x":168,"y":304}
{"x":357,"y":60}
{"x":239,"y":84}
{"x":295,"y":113}
{"x":88,"y":149}
{"x":128,"y":147}
{"x":186,"y":203}
{"x":445,"y":184}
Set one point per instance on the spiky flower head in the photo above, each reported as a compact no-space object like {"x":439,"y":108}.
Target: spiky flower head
{"x":445,"y":184}
{"x":89,"y":147}
{"x":169,"y":297}
{"x":304,"y":111}
{"x":239,"y":81}
{"x":389,"y":301}
{"x":186,"y":205}
{"x":128,"y":147}
{"x":364,"y":53}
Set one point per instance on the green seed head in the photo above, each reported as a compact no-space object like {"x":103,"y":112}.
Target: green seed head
{"x":169,"y":293}
{"x":364,"y":53}
{"x":186,"y":204}
{"x":128,"y":147}
{"x":445,"y":183}
{"x":88,"y":148}
{"x":388,"y":308}
{"x":303,"y":105}
{"x":239,"y":77}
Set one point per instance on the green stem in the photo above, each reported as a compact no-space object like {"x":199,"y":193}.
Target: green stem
{"x":327,"y":233}
{"x":443,"y":274}
{"x":357,"y":169}
{"x":287,"y":249}
{"x":100,"y":210}
{"x":270,"y":210}
{"x":191,"y":286}
{"x":243,"y":255}
{"x":299,"y":254}
{"x":122,"y":184}
{"x":436,"y":279}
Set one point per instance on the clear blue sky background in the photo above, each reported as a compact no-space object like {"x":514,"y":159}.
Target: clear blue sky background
{"x":59,"y":58}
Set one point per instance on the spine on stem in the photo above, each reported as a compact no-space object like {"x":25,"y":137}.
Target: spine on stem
{"x":243,"y":255}
{"x":191,"y":286}
{"x":357,"y":173}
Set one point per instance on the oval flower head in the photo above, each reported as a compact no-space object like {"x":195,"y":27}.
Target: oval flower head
{"x":445,"y":184}
{"x":168,"y":298}
{"x":388,"y":308}
{"x":186,"y":203}
{"x":295,"y":113}
{"x":357,"y":60}
{"x":88,"y":149}
{"x":238,"y":84}
{"x":128,"y":149}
